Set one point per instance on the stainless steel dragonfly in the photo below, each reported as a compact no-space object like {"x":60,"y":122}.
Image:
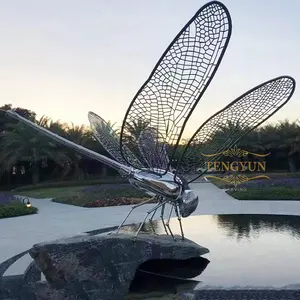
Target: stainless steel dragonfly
{"x":153,"y":156}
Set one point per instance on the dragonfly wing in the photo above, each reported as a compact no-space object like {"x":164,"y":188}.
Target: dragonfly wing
{"x":168,"y":97}
{"x":109,"y":139}
{"x":225,"y":128}
{"x":153,"y":149}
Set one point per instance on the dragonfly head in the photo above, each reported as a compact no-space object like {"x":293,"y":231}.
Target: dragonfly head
{"x":188,"y":203}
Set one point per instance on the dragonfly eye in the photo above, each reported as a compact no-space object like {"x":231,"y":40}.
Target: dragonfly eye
{"x":189,"y":202}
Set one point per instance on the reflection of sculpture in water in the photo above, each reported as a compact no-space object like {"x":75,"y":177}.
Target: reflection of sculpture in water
{"x":150,"y":227}
{"x":247,"y":226}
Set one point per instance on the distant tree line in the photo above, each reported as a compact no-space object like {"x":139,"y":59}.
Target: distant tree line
{"x":27,"y":157}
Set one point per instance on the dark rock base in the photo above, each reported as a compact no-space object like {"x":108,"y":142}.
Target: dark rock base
{"x":104,"y":266}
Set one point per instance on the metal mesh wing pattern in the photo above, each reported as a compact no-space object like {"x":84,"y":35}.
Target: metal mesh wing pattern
{"x":181,"y":76}
{"x":228,"y":126}
{"x":108,"y":138}
{"x":153,"y":149}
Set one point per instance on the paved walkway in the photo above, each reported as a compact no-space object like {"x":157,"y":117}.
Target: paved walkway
{"x":56,"y":220}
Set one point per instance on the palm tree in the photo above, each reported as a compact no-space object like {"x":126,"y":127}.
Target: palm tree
{"x":284,"y":137}
{"x":132,"y":134}
{"x":19,"y":143}
{"x":81,"y":136}
{"x":134,"y":130}
{"x":223,"y":138}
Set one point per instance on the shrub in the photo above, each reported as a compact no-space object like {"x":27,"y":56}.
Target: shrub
{"x":10,"y":206}
{"x":273,"y":182}
{"x":267,"y":193}
{"x":112,"y":190}
{"x":15,"y":210}
{"x":7,"y":198}
{"x":64,"y":183}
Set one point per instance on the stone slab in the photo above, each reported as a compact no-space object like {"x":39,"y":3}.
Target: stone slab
{"x":104,"y":266}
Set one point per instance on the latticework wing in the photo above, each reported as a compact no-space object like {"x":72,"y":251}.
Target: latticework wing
{"x":224,"y":129}
{"x":179,"y":79}
{"x":109,"y":139}
{"x":153,"y":149}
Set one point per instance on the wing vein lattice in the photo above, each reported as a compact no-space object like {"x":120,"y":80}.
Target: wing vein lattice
{"x":110,"y":141}
{"x":153,"y":150}
{"x":225,"y":128}
{"x":181,"y":76}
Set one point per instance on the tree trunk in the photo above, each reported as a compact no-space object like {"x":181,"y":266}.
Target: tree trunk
{"x":78,"y":174}
{"x":291,"y":162}
{"x":8,"y":176}
{"x":35,"y":174}
{"x":66,"y":170}
{"x":104,"y":171}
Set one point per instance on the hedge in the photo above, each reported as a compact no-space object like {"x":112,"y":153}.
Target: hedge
{"x":16,"y":210}
{"x":267,"y":193}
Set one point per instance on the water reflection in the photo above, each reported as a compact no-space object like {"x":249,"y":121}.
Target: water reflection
{"x":247,"y":226}
{"x":245,"y":250}
{"x":240,"y":226}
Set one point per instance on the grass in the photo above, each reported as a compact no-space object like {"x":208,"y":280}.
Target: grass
{"x":55,"y":192}
{"x":83,"y":193}
{"x":90,"y":196}
{"x":69,"y":183}
{"x":267,"y":193}
{"x":219,"y":183}
{"x":103,"y":195}
{"x":77,"y":199}
{"x":224,"y":185}
{"x":255,"y":190}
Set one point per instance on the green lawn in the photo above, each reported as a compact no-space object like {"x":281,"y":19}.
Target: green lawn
{"x":95,"y":196}
{"x":52,"y":192}
{"x":219,"y":183}
{"x":265,"y":193}
{"x":224,"y":185}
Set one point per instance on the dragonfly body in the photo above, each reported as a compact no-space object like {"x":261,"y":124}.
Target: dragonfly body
{"x":162,"y":185}
{"x":166,"y":187}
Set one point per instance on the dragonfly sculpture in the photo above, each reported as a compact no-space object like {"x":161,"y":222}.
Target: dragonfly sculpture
{"x":156,"y":161}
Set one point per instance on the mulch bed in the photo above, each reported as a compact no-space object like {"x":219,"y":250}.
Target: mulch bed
{"x":116,"y":201}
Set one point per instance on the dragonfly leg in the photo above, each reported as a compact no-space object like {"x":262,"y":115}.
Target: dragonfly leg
{"x":151,"y":222}
{"x":168,"y":222}
{"x":162,"y":218}
{"x":133,"y":207}
{"x":179,"y":220}
{"x":148,"y":213}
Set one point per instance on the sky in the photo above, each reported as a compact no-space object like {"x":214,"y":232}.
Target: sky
{"x":63,"y":58}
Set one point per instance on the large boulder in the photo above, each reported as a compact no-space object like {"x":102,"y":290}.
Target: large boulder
{"x":104,"y":266}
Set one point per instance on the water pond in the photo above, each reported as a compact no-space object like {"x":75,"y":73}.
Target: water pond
{"x":245,"y":250}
